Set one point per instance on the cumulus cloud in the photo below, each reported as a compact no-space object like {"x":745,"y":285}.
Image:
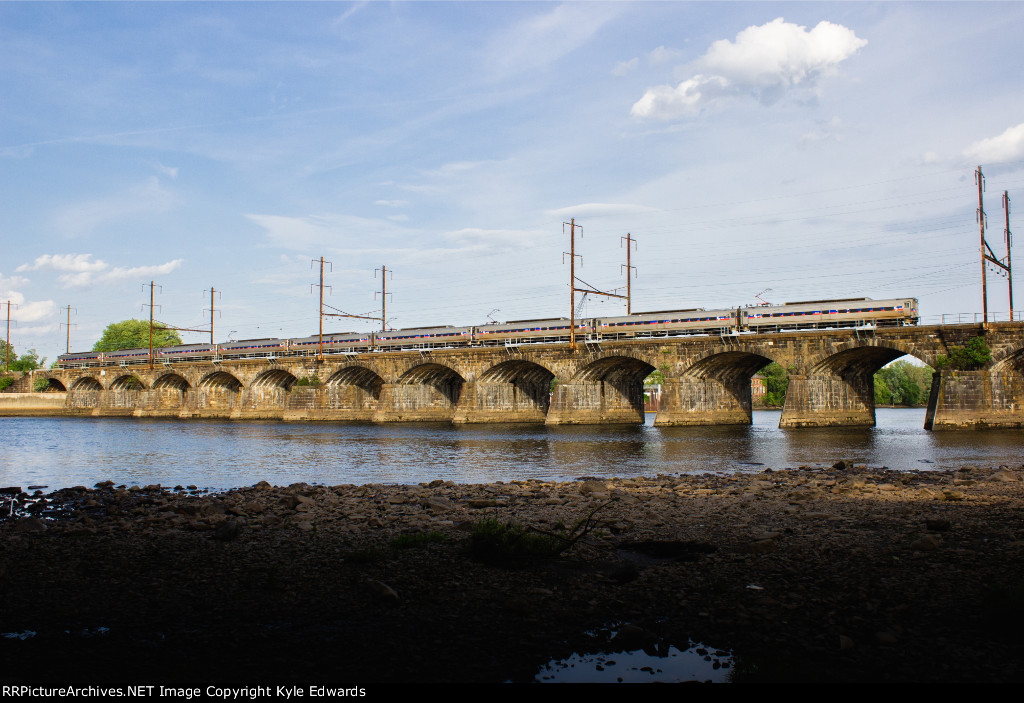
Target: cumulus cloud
{"x":25,"y":311}
{"x":765,"y":62}
{"x":1008,"y":146}
{"x":78,"y":270}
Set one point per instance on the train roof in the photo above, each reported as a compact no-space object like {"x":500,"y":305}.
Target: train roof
{"x":663,"y":312}
{"x":829,"y":300}
{"x":540,"y":319}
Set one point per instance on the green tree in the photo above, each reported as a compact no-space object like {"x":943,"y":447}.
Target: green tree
{"x":776,"y":382}
{"x":134,"y":334}
{"x":26,"y":362}
{"x":902,"y":383}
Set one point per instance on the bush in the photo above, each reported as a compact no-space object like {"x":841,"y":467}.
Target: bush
{"x":496,"y":542}
{"x":6,"y":382}
{"x":969,"y":357}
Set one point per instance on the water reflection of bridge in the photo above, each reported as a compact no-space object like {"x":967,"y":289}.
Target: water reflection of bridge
{"x":707,"y":381}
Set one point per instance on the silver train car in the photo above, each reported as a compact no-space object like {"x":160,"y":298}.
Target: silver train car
{"x":788,"y":317}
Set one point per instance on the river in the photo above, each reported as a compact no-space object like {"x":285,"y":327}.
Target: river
{"x":61,"y":452}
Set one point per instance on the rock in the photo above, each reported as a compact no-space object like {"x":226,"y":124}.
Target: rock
{"x":938,"y":525}
{"x":927,"y":543}
{"x":591,"y":487}
{"x":382,"y":590}
{"x":228,"y":531}
{"x":953,"y":495}
{"x":885,"y":638}
{"x":30,"y":524}
{"x":845,"y":643}
{"x":761,"y":546}
{"x":439,"y":503}
{"x":998,"y":477}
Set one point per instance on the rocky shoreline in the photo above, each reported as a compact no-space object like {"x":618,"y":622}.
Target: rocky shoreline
{"x":842,"y":574}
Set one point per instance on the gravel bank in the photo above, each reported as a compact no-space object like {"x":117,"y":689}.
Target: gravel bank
{"x":843,"y":574}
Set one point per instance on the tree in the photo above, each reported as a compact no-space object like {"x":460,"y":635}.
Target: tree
{"x":776,"y":382}
{"x":902,"y":383}
{"x":26,"y":362}
{"x":134,"y":334}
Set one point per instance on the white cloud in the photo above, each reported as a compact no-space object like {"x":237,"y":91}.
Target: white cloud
{"x":1008,"y":146}
{"x":169,"y":171}
{"x":765,"y":61}
{"x":391,"y":203}
{"x":21,"y":310}
{"x":594,"y":209}
{"x":500,"y":240}
{"x":663,"y":55}
{"x":80,"y":270}
{"x":624,"y":67}
{"x":79,"y":263}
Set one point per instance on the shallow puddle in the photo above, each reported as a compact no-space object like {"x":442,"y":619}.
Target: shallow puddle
{"x":655,"y":662}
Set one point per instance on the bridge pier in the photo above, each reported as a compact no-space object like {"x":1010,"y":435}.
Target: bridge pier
{"x":829,"y":401}
{"x":483,"y":402}
{"x":704,"y":401}
{"x":597,"y":403}
{"x":975,"y":400}
{"x":408,"y":402}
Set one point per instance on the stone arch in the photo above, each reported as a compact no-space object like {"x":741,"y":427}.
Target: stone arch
{"x":171,"y":381}
{"x":843,"y":356}
{"x":275,"y":378}
{"x":443,"y":379}
{"x":86,"y":383}
{"x":1009,"y":358}
{"x":360,"y":376}
{"x":53,"y":385}
{"x":728,"y":366}
{"x":516,"y":385}
{"x":220,"y":380}
{"x":613,"y":386}
{"x":614,"y":370}
{"x":127,"y":382}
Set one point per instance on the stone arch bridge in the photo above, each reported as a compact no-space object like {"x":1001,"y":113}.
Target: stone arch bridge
{"x":707,"y":382}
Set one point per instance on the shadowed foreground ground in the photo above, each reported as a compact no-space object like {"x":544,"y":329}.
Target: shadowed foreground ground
{"x":844,"y":574}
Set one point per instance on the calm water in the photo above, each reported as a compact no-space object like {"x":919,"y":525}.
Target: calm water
{"x":60,"y":452}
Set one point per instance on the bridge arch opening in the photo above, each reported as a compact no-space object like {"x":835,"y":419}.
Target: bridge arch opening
{"x":86,"y":383}
{"x":127,"y":382}
{"x":53,"y":385}
{"x":621,"y":379}
{"x":171,"y":381}
{"x":275,"y":378}
{"x":220,"y":380}
{"x":530,"y":385}
{"x":359,"y":376}
{"x":446,"y":381}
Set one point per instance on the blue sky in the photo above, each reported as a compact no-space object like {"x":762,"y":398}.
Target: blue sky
{"x":814,"y":149}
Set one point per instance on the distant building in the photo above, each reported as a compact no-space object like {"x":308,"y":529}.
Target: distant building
{"x":758,"y":388}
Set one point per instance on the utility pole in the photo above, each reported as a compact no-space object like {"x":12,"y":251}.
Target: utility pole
{"x":572,"y":279}
{"x":590,"y":290}
{"x":987,"y":255}
{"x":7,"y":349}
{"x":320,"y":348}
{"x":68,"y":325}
{"x":211,"y":314}
{"x":1009,"y":242}
{"x":630,"y":270}
{"x":152,"y":285}
{"x":383,"y":295}
{"x":979,"y":178}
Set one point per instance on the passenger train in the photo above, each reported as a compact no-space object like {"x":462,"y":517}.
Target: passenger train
{"x":789,"y":317}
